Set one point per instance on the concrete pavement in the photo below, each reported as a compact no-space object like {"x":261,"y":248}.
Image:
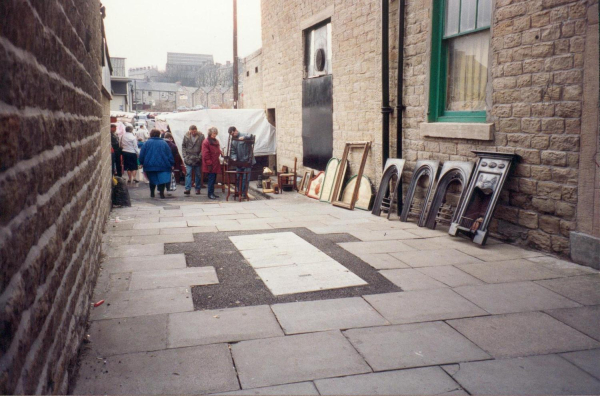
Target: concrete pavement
{"x":445,"y":316}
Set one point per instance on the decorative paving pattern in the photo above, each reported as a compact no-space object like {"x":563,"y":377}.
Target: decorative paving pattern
{"x":288,"y":264}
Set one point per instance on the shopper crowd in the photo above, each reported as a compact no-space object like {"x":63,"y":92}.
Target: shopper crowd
{"x":158,"y":156}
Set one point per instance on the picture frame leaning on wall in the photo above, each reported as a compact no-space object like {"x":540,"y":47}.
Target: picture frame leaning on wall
{"x":336,"y":198}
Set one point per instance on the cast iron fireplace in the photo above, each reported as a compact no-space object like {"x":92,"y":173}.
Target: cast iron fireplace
{"x":416,"y":207}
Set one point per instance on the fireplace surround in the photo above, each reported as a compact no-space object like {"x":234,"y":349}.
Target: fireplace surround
{"x":413,"y":207}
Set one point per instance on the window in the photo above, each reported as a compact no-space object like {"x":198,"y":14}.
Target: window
{"x":256,"y":69}
{"x":459,"y":60}
{"x":317,"y":50}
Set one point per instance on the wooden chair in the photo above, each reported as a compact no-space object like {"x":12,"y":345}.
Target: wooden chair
{"x":283,"y":179}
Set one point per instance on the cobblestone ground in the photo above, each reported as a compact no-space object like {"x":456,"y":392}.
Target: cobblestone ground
{"x":311,"y":299}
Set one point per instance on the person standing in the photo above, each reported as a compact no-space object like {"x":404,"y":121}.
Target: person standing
{"x":114,"y":142}
{"x":157,"y":160}
{"x":192,"y":156}
{"x":241,"y":152}
{"x":211,"y":151}
{"x":142,"y":133}
{"x":177,"y":169}
{"x":128,"y":144}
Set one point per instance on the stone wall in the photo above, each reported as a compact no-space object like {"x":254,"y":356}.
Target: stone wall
{"x":253,"y":81}
{"x":356,"y":74}
{"x":54,"y":186}
{"x":535,"y":92}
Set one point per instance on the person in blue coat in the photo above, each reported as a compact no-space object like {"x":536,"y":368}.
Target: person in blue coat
{"x":157,"y":159}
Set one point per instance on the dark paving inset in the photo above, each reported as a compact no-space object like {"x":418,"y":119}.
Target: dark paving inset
{"x":239,"y":284}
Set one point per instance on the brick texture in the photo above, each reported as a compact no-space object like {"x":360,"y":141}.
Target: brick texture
{"x":54,"y":186}
{"x":534,"y":98}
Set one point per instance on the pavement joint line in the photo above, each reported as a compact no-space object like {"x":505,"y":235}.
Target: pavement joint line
{"x":560,"y":354}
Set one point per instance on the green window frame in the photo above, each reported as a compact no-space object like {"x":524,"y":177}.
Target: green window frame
{"x":439,"y":62}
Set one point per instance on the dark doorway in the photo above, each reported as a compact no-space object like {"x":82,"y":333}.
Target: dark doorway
{"x":317,"y":97}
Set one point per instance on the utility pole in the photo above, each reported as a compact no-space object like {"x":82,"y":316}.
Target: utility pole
{"x":235,"y":57}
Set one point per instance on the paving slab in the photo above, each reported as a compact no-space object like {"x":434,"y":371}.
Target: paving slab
{"x":387,"y":235}
{"x":385,"y":224}
{"x":411,"y":279}
{"x":584,"y":319}
{"x":423,"y":232}
{"x":297,"y":358}
{"x":210,"y":223}
{"x":503,"y":298}
{"x":223,"y":325}
{"x":150,"y":239}
{"x":119,"y":281}
{"x":537,"y":375}
{"x":130,"y":233}
{"x":244,"y":227}
{"x":187,"y":230}
{"x":522,"y":334}
{"x":508,"y":271}
{"x":298,"y":389}
{"x":159,"y":225}
{"x":144,"y":302}
{"x":563,"y":267}
{"x":128,"y":335}
{"x":311,"y":316}
{"x":162,"y":279}
{"x":276,"y":258}
{"x":432,"y":258}
{"x":358,"y":248}
{"x":423,"y":306}
{"x":137,"y":250}
{"x":583,"y":289}
{"x":495,"y":252}
{"x":421,"y":381}
{"x":382,"y":261}
{"x":197,"y":370}
{"x":450,"y":276}
{"x":145,"y":263}
{"x":586,"y":360}
{"x":303,"y":278}
{"x":277,"y":240}
{"x":413,"y":345}
{"x":297,"y":224}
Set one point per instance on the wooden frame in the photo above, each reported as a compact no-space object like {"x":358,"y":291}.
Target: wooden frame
{"x":337,"y":190}
{"x":331,"y":171}
{"x":363,"y":203}
{"x":315,"y":185}
{"x":304,"y":183}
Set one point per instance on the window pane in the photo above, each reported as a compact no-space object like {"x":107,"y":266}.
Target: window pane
{"x":467,"y":15}
{"x":484,"y":13}
{"x":467,"y":72}
{"x":452,"y":10}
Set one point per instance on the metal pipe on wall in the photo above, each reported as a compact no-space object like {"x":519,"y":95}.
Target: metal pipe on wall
{"x":386,"y":110}
{"x":399,"y":93}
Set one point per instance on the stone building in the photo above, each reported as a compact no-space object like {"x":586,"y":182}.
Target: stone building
{"x":515,"y":77}
{"x":253,"y":81}
{"x":55,"y":186}
{"x":155,"y":96}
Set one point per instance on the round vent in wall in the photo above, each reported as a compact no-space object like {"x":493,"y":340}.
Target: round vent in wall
{"x":320,"y":59}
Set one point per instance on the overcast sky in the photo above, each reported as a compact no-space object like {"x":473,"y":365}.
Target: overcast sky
{"x":143,"y":31}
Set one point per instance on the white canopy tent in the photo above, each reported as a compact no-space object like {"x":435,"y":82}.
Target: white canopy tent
{"x":245,"y":120}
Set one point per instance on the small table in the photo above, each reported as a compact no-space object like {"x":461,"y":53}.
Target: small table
{"x":282,"y":176}
{"x":238,"y":177}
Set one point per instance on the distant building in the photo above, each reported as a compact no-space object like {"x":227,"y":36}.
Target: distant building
{"x":187,"y":65}
{"x":143,"y":73}
{"x":118,"y":65}
{"x":155,"y":96}
{"x":120,"y":86}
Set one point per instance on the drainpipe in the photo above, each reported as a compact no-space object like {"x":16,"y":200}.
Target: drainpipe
{"x":386,"y":110}
{"x":399,"y":98}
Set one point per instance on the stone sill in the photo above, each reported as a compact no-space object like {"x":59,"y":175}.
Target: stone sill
{"x":455,"y":130}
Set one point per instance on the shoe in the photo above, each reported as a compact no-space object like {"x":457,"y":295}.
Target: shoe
{"x":152,"y":194}
{"x":136,"y":181}
{"x":162,"y":195}
{"x":197,"y":192}
{"x":216,"y":196}
{"x":187,"y":192}
{"x":213,"y":197}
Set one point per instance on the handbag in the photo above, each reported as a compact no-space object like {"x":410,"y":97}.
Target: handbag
{"x":173,"y":182}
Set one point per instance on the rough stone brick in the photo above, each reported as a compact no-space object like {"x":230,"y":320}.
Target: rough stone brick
{"x":544,"y":205}
{"x":539,"y":240}
{"x":549,"y":190}
{"x":564,"y":143}
{"x":564,"y":175}
{"x":527,"y":186}
{"x":540,"y":142}
{"x":531,"y":125}
{"x":541,"y":173}
{"x":528,"y":219}
{"x":569,"y":194}
{"x":565,"y":210}
{"x":528,"y":156}
{"x":542,"y":109}
{"x":521,"y":110}
{"x":560,"y":245}
{"x":568,"y":109}
{"x":553,"y":125}
{"x":566,"y":227}
{"x":542,"y":50}
{"x":554,"y":158}
{"x":549,"y":224}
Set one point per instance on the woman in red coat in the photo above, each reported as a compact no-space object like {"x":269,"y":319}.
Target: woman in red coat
{"x":211,"y":151}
